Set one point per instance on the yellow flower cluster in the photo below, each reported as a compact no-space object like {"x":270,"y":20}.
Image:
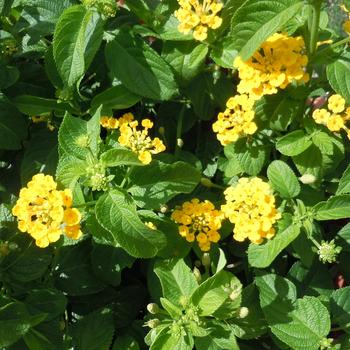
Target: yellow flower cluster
{"x":250,"y":205}
{"x":45,"y":212}
{"x":278,"y":62}
{"x":137,"y":140}
{"x":336,"y":116}
{"x":42,"y":119}
{"x":198,"y":15}
{"x":236,"y":121}
{"x":199,"y":221}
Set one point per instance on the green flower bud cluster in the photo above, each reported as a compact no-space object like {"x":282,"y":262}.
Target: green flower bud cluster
{"x":107,"y":8}
{"x":8,"y":47}
{"x":97,"y":178}
{"x":328,"y":252}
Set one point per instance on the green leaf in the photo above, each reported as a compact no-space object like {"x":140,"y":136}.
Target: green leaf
{"x":213,"y":292}
{"x":125,"y":342}
{"x":278,"y":111}
{"x":251,"y":156}
{"x":73,"y":273}
{"x":108,"y":263}
{"x":301,"y":323}
{"x":186,"y":58}
{"x":283,"y":179}
{"x":224,"y":52}
{"x":139,"y":68}
{"x":8,"y":76}
{"x":324,"y":142}
{"x":262,"y":255}
{"x":344,"y":183}
{"x":255,"y":21}
{"x":340,"y":308}
{"x":50,"y":301}
{"x":15,"y":322}
{"x":176,"y":278}
{"x":310,"y":162}
{"x":116,"y":97}
{"x":34,"y":105}
{"x":157,"y":183}
{"x":13,"y":128}
{"x":166,"y":340}
{"x":40,"y":155}
{"x":337,"y":73}
{"x":77,"y":37}
{"x":76,"y":136}
{"x":94,"y":331}
{"x":336,"y":207}
{"x":118,"y":157}
{"x":116,"y":212}
{"x":69,"y":170}
{"x":219,"y":338}
{"x":294,"y":143}
{"x":174,"y":311}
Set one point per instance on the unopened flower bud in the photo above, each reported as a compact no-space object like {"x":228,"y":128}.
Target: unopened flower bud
{"x":206,"y":260}
{"x":180,"y":142}
{"x":326,"y":343}
{"x":206,"y":182}
{"x":307,"y":179}
{"x":153,"y":323}
{"x":243,"y":312}
{"x":197,"y":274}
{"x":161,"y":130}
{"x":183,"y":301}
{"x":153,"y":308}
{"x":163,"y":208}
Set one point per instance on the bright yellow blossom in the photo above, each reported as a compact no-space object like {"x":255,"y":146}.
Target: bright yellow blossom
{"x":138,"y":140}
{"x":198,"y":15}
{"x":109,"y":122}
{"x":335,"y":117}
{"x":336,"y":103}
{"x":250,"y":205}
{"x":236,"y":121}
{"x":199,"y":221}
{"x":279,"y":62}
{"x":45,"y":212}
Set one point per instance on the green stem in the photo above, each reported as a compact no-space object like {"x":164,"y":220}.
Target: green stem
{"x":126,"y":177}
{"x":336,"y":44}
{"x":179,"y":129}
{"x":314,"y":23}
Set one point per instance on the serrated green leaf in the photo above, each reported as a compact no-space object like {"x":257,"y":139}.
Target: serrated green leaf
{"x":120,"y":156}
{"x":310,"y":162}
{"x":116,"y":212}
{"x":336,"y":207}
{"x":77,"y":37}
{"x":157,"y":183}
{"x":262,"y":255}
{"x":344,"y":183}
{"x":176,"y":278}
{"x":94,"y":331}
{"x":185,"y":58}
{"x":140,"y":68}
{"x":340,"y":308}
{"x":255,"y":21}
{"x":116,"y":97}
{"x":213,"y":292}
{"x":76,"y":136}
{"x":337,"y":73}
{"x":323,"y":141}
{"x":294,"y":143}
{"x":283,"y":179}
